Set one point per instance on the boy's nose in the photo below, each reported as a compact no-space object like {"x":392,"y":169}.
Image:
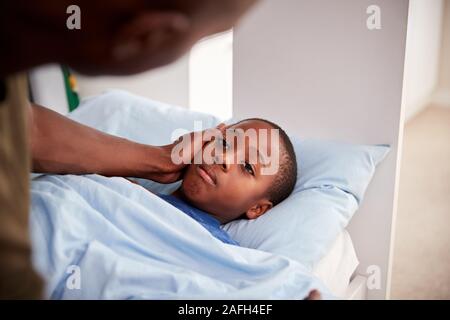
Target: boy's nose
{"x":223,"y":163}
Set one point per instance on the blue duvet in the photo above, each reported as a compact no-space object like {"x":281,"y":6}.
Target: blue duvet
{"x":95,"y":237}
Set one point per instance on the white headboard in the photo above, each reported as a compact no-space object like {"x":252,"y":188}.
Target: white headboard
{"x":314,"y":67}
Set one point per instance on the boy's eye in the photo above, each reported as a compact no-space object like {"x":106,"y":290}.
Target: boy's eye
{"x":249,"y":168}
{"x":225,"y":144}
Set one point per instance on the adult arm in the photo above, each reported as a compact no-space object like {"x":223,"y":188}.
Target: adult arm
{"x":63,"y":146}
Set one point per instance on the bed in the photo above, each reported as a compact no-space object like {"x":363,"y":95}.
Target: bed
{"x":126,"y":115}
{"x":107,"y":238}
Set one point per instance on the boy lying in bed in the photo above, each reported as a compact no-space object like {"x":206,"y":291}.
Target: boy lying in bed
{"x":236,"y":187}
{"x":79,"y":221}
{"x":233,"y":185}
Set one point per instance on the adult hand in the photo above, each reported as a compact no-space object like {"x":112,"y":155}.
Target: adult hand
{"x":169,"y":170}
{"x":314,"y":295}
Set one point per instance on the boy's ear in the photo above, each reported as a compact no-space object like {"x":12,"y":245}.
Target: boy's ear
{"x":147,"y":31}
{"x":259,"y":209}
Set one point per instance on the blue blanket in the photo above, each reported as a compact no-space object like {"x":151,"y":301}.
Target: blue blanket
{"x":106,"y":238}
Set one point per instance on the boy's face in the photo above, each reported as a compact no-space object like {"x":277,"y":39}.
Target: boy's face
{"x":229,"y":189}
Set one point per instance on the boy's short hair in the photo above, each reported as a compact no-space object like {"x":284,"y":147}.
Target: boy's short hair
{"x":286,"y":177}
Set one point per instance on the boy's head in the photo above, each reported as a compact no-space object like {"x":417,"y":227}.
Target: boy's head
{"x":238,"y":185}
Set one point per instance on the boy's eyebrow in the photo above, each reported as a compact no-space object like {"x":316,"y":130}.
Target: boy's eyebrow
{"x":263,"y":161}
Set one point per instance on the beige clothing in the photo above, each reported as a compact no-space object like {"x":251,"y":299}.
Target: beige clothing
{"x":18,"y":280}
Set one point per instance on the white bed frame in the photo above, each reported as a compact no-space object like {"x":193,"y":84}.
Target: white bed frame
{"x":315,"y":68}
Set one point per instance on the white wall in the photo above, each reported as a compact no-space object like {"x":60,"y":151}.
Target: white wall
{"x":423,"y":47}
{"x":313,"y":67}
{"x":202,"y":80}
{"x":211,"y":76}
{"x":48,"y":87}
{"x":167,"y":84}
{"x":442,"y":94}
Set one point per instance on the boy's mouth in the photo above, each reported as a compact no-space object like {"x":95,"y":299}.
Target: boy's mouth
{"x":207,"y":174}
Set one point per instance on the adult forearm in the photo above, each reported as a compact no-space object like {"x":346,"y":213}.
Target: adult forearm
{"x":60,"y":145}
